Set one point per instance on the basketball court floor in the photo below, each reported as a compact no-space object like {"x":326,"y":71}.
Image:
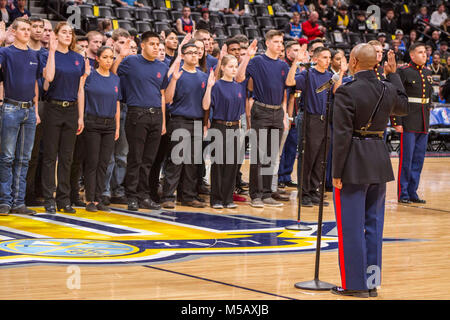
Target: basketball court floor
{"x":229,"y":254}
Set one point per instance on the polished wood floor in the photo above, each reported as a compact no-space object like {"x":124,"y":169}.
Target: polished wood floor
{"x":411,"y":269}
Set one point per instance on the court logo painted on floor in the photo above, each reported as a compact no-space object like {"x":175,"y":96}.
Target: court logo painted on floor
{"x":125,"y":237}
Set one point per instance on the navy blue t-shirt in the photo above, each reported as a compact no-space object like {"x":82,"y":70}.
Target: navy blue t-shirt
{"x":102,"y":94}
{"x":69,"y":67}
{"x":20,"y":69}
{"x":269,"y":77}
{"x":316,"y":102}
{"x":142,"y":81}
{"x":211,"y":62}
{"x":189,"y":92}
{"x":43,"y":55}
{"x":91,"y":62}
{"x":228,"y":100}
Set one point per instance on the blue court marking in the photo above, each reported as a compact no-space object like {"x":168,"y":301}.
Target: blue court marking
{"x":220,"y":282}
{"x":14,"y":235}
{"x":86,"y":224}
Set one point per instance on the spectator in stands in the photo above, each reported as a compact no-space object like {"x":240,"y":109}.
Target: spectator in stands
{"x":438,"y":16}
{"x":445,"y":93}
{"x":106,"y":27}
{"x":237,"y":7}
{"x":446,"y":27}
{"x":399,"y":37}
{"x":434,"y":41}
{"x":5,"y":12}
{"x":388,"y":23}
{"x":443,"y":51}
{"x":422,"y":20}
{"x":429,"y":51}
{"x":219,"y":6}
{"x":438,"y":71}
{"x":328,"y":12}
{"x":205,"y":22}
{"x":341,"y":21}
{"x":129,"y":3}
{"x":171,"y":43}
{"x":19,"y":11}
{"x":311,"y":28}
{"x":301,"y":8}
{"x":411,"y":39}
{"x":82,"y":44}
{"x":294,"y":28}
{"x":185,"y":24}
{"x":382,"y":38}
{"x":399,"y":54}
{"x":359,"y":24}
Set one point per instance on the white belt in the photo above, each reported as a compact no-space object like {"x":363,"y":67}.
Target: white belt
{"x":419,"y":100}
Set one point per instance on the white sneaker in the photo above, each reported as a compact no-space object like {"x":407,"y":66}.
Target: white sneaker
{"x":257,"y":203}
{"x":272,"y":202}
{"x":231,"y":206}
{"x":217,"y":206}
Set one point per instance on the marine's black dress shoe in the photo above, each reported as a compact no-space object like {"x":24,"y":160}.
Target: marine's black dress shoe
{"x":306,"y":202}
{"x":291,"y":184}
{"x":407,"y":201}
{"x":91,"y":207}
{"x":350,"y":293}
{"x":67,"y":209}
{"x":78,"y":203}
{"x":279,"y":197}
{"x":316,"y":201}
{"x":418,"y":200}
{"x":149,"y":204}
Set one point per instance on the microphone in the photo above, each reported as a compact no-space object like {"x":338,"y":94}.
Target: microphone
{"x":306,"y":64}
{"x":328,"y":84}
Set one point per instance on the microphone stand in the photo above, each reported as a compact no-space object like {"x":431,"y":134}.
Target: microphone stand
{"x":301,"y":142}
{"x":317,"y":284}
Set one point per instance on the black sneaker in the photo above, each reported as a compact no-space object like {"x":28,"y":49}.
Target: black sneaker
{"x":406,"y":201}
{"x":291,"y":184}
{"x":50,"y":207}
{"x":4,"y":209}
{"x":23,"y":210}
{"x":67,"y":209}
{"x":103,"y":207}
{"x":91,"y":207}
{"x":316,"y":201}
{"x":133,"y":205}
{"x":106,"y":200}
{"x":78,"y":203}
{"x":306,"y":202}
{"x":116,"y":200}
{"x":418,"y":200}
{"x":351,"y":293}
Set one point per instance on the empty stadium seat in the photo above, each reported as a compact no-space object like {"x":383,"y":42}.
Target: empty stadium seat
{"x":143,"y":14}
{"x":177,"y":5}
{"x":220,"y":31}
{"x":143,"y":26}
{"x":125,"y":13}
{"x":126,"y":24}
{"x":355,"y":38}
{"x":234,"y":30}
{"x":160,"y":15}
{"x":161,"y":25}
{"x":195,"y":16}
{"x":230,"y":19}
{"x":248,"y":21}
{"x":86,"y":10}
{"x":159,"y":4}
{"x":109,"y":3}
{"x":106,"y":12}
{"x":252,"y":32}
{"x":261,"y":10}
{"x":265,"y":22}
{"x":175,"y":15}
{"x":215,"y":18}
{"x":280,"y":22}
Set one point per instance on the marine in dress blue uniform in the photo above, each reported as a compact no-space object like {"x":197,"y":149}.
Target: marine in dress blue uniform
{"x":413,"y":128}
{"x":361,"y":167}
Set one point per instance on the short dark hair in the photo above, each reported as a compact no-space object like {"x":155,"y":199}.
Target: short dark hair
{"x":310,"y":44}
{"x":319,"y":50}
{"x":149,"y":34}
{"x":35,"y":19}
{"x":82,"y":38}
{"x":415,"y":45}
{"x":231,"y":41}
{"x":188,"y":45}
{"x":290,"y":44}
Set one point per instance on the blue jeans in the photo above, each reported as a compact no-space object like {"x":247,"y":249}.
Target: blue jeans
{"x":117,"y":166}
{"x":18,"y":127}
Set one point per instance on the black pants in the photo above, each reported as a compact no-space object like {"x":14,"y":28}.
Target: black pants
{"x":143,"y":131}
{"x":76,"y":169}
{"x":34,"y":185}
{"x":99,"y":145}
{"x":223,"y":173}
{"x":272,"y":120}
{"x":314,"y":150}
{"x":60,"y":128}
{"x":158,"y":164}
{"x":187,"y":171}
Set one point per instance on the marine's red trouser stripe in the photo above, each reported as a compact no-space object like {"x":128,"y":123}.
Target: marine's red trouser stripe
{"x":400,"y":162}
{"x":337,"y":200}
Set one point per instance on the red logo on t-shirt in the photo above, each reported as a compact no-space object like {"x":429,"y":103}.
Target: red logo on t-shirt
{"x":158,"y":75}
{"x":203,"y":85}
{"x":282,"y":73}
{"x":116,"y":89}
{"x":77,"y":62}
{"x":239,"y":95}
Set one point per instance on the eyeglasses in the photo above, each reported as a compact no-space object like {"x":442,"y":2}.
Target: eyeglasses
{"x":190,"y":52}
